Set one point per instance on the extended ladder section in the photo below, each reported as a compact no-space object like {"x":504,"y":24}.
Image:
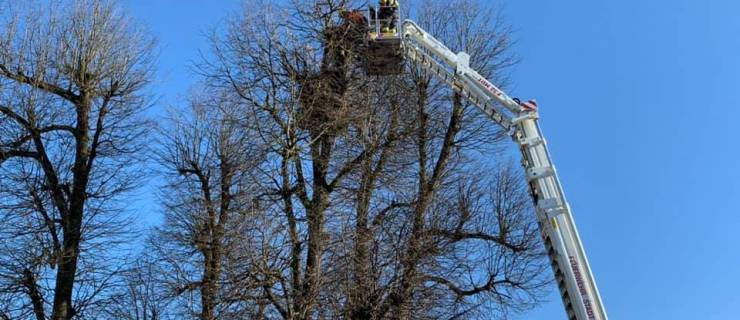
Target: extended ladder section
{"x":570,"y":266}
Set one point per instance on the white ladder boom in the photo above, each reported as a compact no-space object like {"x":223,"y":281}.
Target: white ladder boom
{"x":572,"y":272}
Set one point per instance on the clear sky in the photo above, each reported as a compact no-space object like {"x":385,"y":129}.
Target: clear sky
{"x":639,"y":103}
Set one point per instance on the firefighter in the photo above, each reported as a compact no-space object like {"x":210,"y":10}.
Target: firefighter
{"x":394,"y":15}
{"x":384,"y":15}
{"x":387,"y":15}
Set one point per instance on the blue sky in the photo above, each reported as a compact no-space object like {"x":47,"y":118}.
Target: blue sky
{"x":639,"y":103}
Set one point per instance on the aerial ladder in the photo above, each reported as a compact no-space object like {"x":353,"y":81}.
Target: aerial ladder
{"x":389,"y":45}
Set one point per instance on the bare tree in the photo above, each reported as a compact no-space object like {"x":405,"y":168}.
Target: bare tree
{"x":303,"y":103}
{"x":375,"y":206}
{"x":208,"y":199}
{"x":72,"y":81}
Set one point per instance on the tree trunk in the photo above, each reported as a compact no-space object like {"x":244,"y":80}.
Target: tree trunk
{"x":72,"y":224}
{"x":360,"y":302}
{"x":65,"y":278}
{"x":209,"y":287}
{"x":321,"y":155}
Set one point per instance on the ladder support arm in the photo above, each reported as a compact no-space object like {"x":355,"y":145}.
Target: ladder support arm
{"x":572,"y":272}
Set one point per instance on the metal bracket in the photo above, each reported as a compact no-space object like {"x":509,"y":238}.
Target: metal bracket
{"x":551,"y":207}
{"x":539,"y":172}
{"x":526,"y":116}
{"x":463,"y":63}
{"x":530,"y":142}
